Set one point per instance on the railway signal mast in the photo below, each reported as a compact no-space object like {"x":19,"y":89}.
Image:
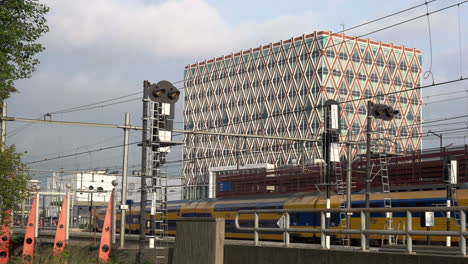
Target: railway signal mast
{"x":385,"y":113}
{"x":158,"y":115}
{"x":331,"y":154}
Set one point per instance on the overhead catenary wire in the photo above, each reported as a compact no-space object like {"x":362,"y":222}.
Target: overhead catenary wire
{"x":115,"y":146}
{"x":80,"y":153}
{"x":86,"y":152}
{"x":348,"y":29}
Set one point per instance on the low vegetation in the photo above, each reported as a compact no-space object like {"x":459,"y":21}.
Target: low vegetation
{"x":71,"y":255}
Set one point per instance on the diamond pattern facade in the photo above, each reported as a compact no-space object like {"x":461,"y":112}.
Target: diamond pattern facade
{"x":278,"y":89}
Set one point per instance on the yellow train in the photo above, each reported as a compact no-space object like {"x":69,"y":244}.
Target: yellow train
{"x":227,"y":207}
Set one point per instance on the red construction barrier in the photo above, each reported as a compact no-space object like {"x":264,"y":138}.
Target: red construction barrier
{"x":29,"y":238}
{"x":5,"y":238}
{"x":60,"y":235}
{"x":105,"y":245}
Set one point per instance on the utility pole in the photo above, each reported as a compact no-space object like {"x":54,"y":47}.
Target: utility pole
{"x":144,"y":170}
{"x":123,"y":202}
{"x":446,"y":178}
{"x":114,"y":184}
{"x":4,"y":114}
{"x":368,"y":158}
{"x":348,"y":187}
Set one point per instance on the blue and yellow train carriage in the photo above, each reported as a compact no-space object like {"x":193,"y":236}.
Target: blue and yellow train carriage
{"x":227,"y":208}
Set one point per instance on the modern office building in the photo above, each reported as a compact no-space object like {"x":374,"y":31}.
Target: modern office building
{"x":278,"y":89}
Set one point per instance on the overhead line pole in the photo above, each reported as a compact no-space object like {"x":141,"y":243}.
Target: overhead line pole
{"x":124,"y":182}
{"x":4,"y":114}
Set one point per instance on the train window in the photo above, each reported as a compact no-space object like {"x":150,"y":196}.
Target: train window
{"x":403,"y":205}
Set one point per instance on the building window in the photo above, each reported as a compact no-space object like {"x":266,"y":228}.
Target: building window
{"x":403,"y":132}
{"x":374,"y":78}
{"x":343,"y":91}
{"x":343,"y":124}
{"x":362,"y":77}
{"x":368,"y":59}
{"x":356,"y":128}
{"x":309,"y":73}
{"x":356,"y":93}
{"x":368,"y":93}
{"x":386,"y":78}
{"x":281,"y":62}
{"x":408,"y":84}
{"x":315,"y":89}
{"x":391,"y":66}
{"x":298,"y":75}
{"x":397,"y":81}
{"x":330,"y":53}
{"x":323,"y":71}
{"x":304,"y":126}
{"x":304,"y":56}
{"x":349,"y":76}
{"x":271,"y":64}
{"x":403,"y":100}
{"x":356,"y":58}
{"x":392,"y":99}
{"x":292,"y":60}
{"x":343,"y":56}
{"x":362,"y":110}
{"x":336,"y":73}
{"x":414,"y":68}
{"x":392,"y":130}
{"x":287,"y":77}
{"x":330,"y":90}
{"x":380,"y":96}
{"x":380,"y":61}
{"x":403,"y":66}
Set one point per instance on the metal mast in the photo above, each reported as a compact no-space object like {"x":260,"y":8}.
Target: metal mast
{"x":158,"y":115}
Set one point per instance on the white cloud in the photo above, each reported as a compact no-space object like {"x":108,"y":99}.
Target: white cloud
{"x":172,"y":28}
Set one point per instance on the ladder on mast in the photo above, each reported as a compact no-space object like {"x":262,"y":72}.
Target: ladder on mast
{"x":341,"y":192}
{"x":383,"y":164}
{"x":158,"y":186}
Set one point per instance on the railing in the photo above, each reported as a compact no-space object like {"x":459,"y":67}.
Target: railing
{"x":364,"y":232}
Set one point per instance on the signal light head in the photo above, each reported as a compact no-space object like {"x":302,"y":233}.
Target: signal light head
{"x":163,"y":92}
{"x":384,"y":112}
{"x":159,"y":93}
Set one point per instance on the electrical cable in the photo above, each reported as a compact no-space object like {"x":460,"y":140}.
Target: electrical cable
{"x":429,"y":72}
{"x":80,"y":153}
{"x":460,"y":42}
{"x":352,"y":39}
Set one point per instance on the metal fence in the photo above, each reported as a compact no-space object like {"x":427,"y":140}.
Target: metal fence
{"x":364,"y":232}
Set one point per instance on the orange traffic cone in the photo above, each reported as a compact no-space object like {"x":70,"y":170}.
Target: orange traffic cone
{"x":60,"y":235}
{"x":29,"y":238}
{"x":5,"y":238}
{"x":105,"y":246}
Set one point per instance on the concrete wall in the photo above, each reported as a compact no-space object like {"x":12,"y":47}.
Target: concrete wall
{"x":199,"y":241}
{"x":275,"y":255}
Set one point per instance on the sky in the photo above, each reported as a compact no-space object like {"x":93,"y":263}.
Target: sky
{"x":102,"y":49}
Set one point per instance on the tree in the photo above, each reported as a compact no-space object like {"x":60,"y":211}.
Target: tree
{"x":22,"y":23}
{"x":13,"y":180}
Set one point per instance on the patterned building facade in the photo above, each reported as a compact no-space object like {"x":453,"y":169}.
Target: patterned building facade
{"x":278,"y":89}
